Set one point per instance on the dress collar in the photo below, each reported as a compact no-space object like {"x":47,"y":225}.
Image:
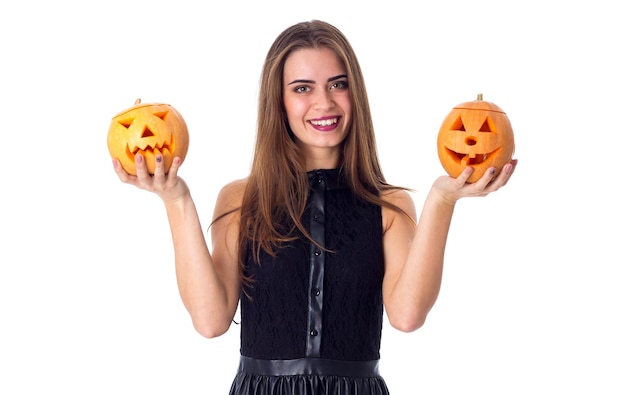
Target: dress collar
{"x":333,"y":178}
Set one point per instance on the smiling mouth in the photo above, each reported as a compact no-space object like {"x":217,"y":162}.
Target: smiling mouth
{"x":324,"y":122}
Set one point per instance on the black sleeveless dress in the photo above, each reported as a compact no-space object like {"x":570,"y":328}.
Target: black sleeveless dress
{"x":313,"y":322}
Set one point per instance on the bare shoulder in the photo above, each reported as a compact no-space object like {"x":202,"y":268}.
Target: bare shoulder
{"x":230,"y":197}
{"x":401,"y":199}
{"x":234,"y":189}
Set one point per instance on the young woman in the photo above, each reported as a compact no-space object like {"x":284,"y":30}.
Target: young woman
{"x":314,"y":242}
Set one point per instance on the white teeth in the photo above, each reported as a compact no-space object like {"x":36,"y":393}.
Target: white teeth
{"x":325,"y":122}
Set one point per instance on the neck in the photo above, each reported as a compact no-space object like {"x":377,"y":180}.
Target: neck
{"x":325,"y":160}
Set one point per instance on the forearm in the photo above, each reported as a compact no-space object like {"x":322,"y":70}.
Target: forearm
{"x":202,"y":291}
{"x":418,"y":285}
{"x":428,"y":249}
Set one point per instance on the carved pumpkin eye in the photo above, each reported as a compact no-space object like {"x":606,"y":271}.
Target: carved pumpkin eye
{"x":149,"y":130}
{"x":476,"y":134}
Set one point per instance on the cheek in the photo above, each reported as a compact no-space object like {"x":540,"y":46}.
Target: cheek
{"x":345,"y":103}
{"x":296,"y":110}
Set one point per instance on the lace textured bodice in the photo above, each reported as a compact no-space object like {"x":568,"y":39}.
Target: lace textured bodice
{"x":307,"y":302}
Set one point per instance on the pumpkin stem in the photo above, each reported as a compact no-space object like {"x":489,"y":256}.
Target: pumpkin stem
{"x":480,"y":96}
{"x":137,"y":101}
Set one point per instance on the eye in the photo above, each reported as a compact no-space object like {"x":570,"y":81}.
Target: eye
{"x":301,"y":89}
{"x":342,"y":85}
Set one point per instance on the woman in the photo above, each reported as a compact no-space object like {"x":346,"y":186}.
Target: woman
{"x":314,"y":242}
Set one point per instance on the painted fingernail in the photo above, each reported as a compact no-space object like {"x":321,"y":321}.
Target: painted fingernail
{"x":492,"y":171}
{"x":159,"y":158}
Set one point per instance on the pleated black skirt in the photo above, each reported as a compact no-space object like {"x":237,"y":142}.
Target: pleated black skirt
{"x":307,"y":376}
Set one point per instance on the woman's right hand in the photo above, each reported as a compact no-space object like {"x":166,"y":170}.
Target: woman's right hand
{"x":453,"y":189}
{"x":168,"y":186}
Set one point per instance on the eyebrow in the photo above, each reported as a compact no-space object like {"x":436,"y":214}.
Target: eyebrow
{"x":338,"y":77}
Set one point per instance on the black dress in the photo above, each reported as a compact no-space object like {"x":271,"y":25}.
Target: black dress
{"x":313,"y":322}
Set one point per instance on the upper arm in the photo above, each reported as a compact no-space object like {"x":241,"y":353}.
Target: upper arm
{"x":398,"y":233}
{"x":224,"y":239}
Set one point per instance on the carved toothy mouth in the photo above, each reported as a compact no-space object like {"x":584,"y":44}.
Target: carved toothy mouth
{"x":470,"y":158}
{"x":466,"y":159}
{"x":150,"y":148}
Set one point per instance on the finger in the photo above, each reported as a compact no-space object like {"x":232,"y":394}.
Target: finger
{"x":159,"y":170}
{"x":513,"y":166}
{"x":504,"y":175}
{"x":173,"y":171}
{"x":507,"y":171}
{"x":117,"y":166}
{"x":142,"y":169}
{"x":483,"y":182}
{"x":121,"y":173}
{"x":464,"y":176}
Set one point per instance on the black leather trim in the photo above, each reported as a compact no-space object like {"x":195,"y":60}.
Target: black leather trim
{"x":307,"y":366}
{"x":316,"y":262}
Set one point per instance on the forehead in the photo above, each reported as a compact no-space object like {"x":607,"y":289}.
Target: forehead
{"x":309,"y":63}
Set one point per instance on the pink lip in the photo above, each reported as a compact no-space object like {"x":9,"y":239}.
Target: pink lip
{"x":326,"y":128}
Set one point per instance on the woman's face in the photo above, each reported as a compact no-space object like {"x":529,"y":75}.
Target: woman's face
{"x":317,"y":101}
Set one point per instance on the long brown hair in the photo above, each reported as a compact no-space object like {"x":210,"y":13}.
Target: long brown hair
{"x":277,"y":188}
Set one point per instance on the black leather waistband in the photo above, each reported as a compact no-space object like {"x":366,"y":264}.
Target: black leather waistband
{"x":308,"y":366}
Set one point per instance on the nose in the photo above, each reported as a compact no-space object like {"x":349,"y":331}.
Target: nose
{"x":324,"y":100}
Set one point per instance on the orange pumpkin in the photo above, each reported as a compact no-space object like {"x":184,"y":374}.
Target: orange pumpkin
{"x":148,"y":129}
{"x":476,"y":134}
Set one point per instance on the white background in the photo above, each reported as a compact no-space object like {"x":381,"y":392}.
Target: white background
{"x":533,"y":293}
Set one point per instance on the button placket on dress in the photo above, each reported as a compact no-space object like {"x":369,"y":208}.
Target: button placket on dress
{"x":316,"y":262}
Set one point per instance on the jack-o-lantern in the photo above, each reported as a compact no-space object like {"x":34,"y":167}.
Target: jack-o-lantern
{"x":476,"y":134}
{"x":148,"y":129}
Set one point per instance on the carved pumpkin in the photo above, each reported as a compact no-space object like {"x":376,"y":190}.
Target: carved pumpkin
{"x":148,"y":129}
{"x":476,"y":134}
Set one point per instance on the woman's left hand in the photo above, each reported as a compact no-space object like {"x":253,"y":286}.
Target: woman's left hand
{"x":453,"y":189}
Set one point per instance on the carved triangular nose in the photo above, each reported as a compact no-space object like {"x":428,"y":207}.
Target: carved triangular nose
{"x":147,"y":133}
